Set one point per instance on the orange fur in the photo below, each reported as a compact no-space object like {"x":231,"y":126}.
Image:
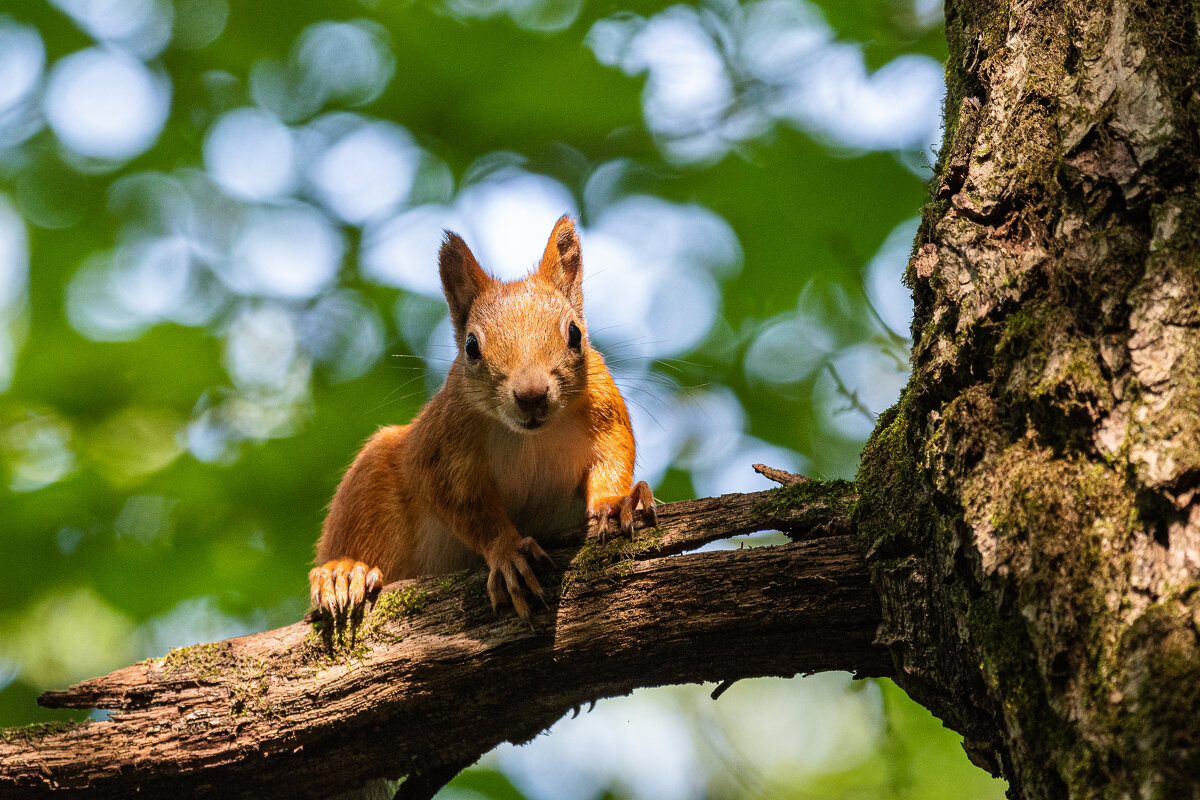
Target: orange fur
{"x":526,"y":439}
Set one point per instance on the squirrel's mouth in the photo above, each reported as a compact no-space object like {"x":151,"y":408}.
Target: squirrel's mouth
{"x":532,"y":424}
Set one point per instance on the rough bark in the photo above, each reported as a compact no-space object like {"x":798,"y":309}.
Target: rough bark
{"x":432,"y":678}
{"x":1040,"y":592}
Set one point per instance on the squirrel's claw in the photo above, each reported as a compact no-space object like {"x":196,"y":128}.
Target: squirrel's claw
{"x":622,"y":508}
{"x":342,"y":585}
{"x":645,"y":499}
{"x":504,"y":585}
{"x":529,"y":548}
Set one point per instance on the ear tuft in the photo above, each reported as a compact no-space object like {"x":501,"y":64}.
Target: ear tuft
{"x":462,"y":278}
{"x":562,"y":263}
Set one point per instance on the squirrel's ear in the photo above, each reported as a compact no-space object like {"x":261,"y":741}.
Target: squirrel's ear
{"x":462,"y":278}
{"x":562,"y":263}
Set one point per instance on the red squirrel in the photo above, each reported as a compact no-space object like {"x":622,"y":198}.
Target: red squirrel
{"x":528,"y":435}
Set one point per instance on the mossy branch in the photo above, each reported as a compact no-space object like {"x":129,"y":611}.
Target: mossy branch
{"x":430,"y":678}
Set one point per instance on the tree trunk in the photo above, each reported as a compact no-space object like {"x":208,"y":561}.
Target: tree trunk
{"x":1040,"y":590}
{"x":1028,"y":512}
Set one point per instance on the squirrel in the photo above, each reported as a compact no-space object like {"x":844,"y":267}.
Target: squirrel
{"x":528,"y":435}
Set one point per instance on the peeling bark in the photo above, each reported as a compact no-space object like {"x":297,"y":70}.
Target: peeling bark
{"x":433,"y":679}
{"x":1043,"y":598}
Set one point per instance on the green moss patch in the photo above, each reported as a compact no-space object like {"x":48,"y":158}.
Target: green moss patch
{"x":392,"y":607}
{"x":806,"y":504}
{"x":202,"y":662}
{"x":891,"y":514}
{"x":29,"y":734}
{"x":331,"y":642}
{"x":346,"y":639}
{"x":248,"y":679}
{"x":612,"y":559}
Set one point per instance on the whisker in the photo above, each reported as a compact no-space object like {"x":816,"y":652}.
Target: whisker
{"x":673,"y":362}
{"x":648,"y":413}
{"x":629,"y":398}
{"x":388,"y":398}
{"x":424,"y":358}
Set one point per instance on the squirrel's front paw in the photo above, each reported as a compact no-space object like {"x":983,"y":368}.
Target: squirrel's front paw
{"x":621,"y":507}
{"x":342,"y":584}
{"x":506,"y":563}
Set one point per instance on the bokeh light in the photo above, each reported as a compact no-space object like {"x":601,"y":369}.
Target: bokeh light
{"x":723,"y":75}
{"x":141,"y":28}
{"x":106,"y":105}
{"x":14,"y":278}
{"x":401,"y":251}
{"x":248,"y":152}
{"x":366,"y":171}
{"x":285,"y":251}
{"x":37,"y":448}
{"x":22,"y":60}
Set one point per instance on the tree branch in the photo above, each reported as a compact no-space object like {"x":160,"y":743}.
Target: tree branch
{"x":431,"y":678}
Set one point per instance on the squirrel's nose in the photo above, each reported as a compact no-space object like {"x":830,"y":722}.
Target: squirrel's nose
{"x":532,"y":397}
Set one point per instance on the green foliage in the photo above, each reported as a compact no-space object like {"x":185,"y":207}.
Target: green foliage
{"x":488,"y":783}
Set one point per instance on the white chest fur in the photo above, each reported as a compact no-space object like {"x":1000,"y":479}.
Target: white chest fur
{"x":540,"y":475}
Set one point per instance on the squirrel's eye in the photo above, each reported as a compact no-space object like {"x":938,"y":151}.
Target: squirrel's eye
{"x":472,"y":347}
{"x":574,"y":336}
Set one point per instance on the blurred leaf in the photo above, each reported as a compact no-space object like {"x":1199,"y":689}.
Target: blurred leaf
{"x":489,"y":783}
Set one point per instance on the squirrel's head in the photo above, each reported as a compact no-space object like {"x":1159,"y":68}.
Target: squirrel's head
{"x":522,"y":345}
